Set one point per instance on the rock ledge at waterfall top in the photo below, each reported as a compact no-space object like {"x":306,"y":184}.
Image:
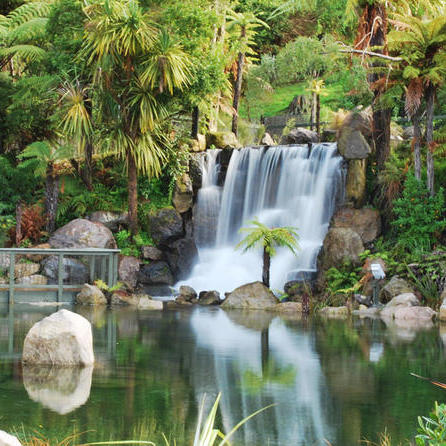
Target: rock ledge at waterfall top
{"x":255,"y":296}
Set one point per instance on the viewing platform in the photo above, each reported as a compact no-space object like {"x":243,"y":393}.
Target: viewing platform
{"x":53,"y":275}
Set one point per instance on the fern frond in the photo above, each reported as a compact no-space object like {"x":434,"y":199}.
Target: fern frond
{"x":29,"y":11}
{"x":32,"y":29}
{"x":26,"y":52}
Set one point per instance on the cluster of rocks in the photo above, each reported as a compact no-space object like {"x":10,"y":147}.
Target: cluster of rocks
{"x":252,"y":296}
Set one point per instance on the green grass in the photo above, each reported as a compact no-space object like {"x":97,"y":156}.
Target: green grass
{"x":271,"y":104}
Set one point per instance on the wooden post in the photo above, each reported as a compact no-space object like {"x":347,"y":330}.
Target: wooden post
{"x":11,"y":278}
{"x":60,"y":272}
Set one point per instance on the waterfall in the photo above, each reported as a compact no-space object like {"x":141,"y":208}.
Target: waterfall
{"x":291,"y":185}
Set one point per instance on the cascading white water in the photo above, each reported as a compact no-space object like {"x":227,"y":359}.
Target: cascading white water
{"x":280,"y":186}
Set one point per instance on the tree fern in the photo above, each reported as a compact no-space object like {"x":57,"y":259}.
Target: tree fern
{"x":268,"y":238}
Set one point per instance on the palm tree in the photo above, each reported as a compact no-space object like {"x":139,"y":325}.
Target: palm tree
{"x":246,"y":23}
{"x":269,"y":239}
{"x":134,"y":64}
{"x":421,"y":43}
{"x":45,"y":158}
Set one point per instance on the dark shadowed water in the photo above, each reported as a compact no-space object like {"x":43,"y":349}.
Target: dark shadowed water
{"x":333,"y":380}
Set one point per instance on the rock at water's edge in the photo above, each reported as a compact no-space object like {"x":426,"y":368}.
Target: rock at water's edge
{"x":252,"y":295}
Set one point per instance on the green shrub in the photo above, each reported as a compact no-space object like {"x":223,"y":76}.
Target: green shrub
{"x":419,"y":217}
{"x":432,"y":429}
{"x":344,"y":280}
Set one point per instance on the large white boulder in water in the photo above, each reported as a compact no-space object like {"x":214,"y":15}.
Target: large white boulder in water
{"x":8,"y":440}
{"x":255,"y":296}
{"x":62,"y":339}
{"x":61,"y":389}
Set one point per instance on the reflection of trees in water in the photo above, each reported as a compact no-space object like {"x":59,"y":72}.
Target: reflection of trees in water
{"x":374,"y":393}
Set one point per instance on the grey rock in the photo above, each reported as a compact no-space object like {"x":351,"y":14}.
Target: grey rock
{"x":222,"y":140}
{"x":166,"y":225}
{"x":62,"y":339}
{"x":352,"y":144}
{"x":366,"y":222}
{"x":254,"y":295}
{"x":128,"y":270}
{"x":155,"y":273}
{"x":25,"y":269}
{"x":355,"y":186}
{"x":91,"y":295}
{"x":151,"y":253}
{"x":394,"y":287}
{"x":334,"y":312}
{"x":147,"y":303}
{"x":82,"y":233}
{"x":181,"y":256}
{"x":267,"y":140}
{"x":187,"y":292}
{"x":209,"y":298}
{"x":300,"y":135}
{"x":183,"y":194}
{"x":74,"y":271}
{"x":112,"y":220}
{"x":340,"y":245}
{"x":405,"y":299}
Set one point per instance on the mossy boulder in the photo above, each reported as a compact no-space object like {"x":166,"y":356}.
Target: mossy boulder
{"x":356,"y":183}
{"x":183,"y":194}
{"x":222,"y":140}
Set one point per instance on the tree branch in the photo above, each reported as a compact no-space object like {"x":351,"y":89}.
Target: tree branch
{"x":371,"y":53}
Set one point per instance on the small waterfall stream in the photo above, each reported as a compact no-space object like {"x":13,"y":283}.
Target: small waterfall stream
{"x":281,"y":186}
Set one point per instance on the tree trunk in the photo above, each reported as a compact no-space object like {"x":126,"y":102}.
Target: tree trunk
{"x":430,"y":103}
{"x":88,"y":152}
{"x":18,"y":222}
{"x":318,"y":115}
{"x":88,"y":170}
{"x":238,"y":85}
{"x":266,"y":267}
{"x":195,"y":122}
{"x":417,"y":143}
{"x":373,"y":33}
{"x":132,"y":194}
{"x":51,"y":199}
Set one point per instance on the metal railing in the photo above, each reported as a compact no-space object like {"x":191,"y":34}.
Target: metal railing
{"x":94,"y":264}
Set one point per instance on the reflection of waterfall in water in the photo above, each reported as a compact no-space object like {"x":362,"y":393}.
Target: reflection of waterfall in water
{"x":301,"y":416}
{"x":281,"y":186}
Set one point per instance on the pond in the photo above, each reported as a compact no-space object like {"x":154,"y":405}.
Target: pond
{"x":341,"y":381}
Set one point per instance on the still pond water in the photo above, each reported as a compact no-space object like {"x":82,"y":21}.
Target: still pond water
{"x":333,"y":380}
